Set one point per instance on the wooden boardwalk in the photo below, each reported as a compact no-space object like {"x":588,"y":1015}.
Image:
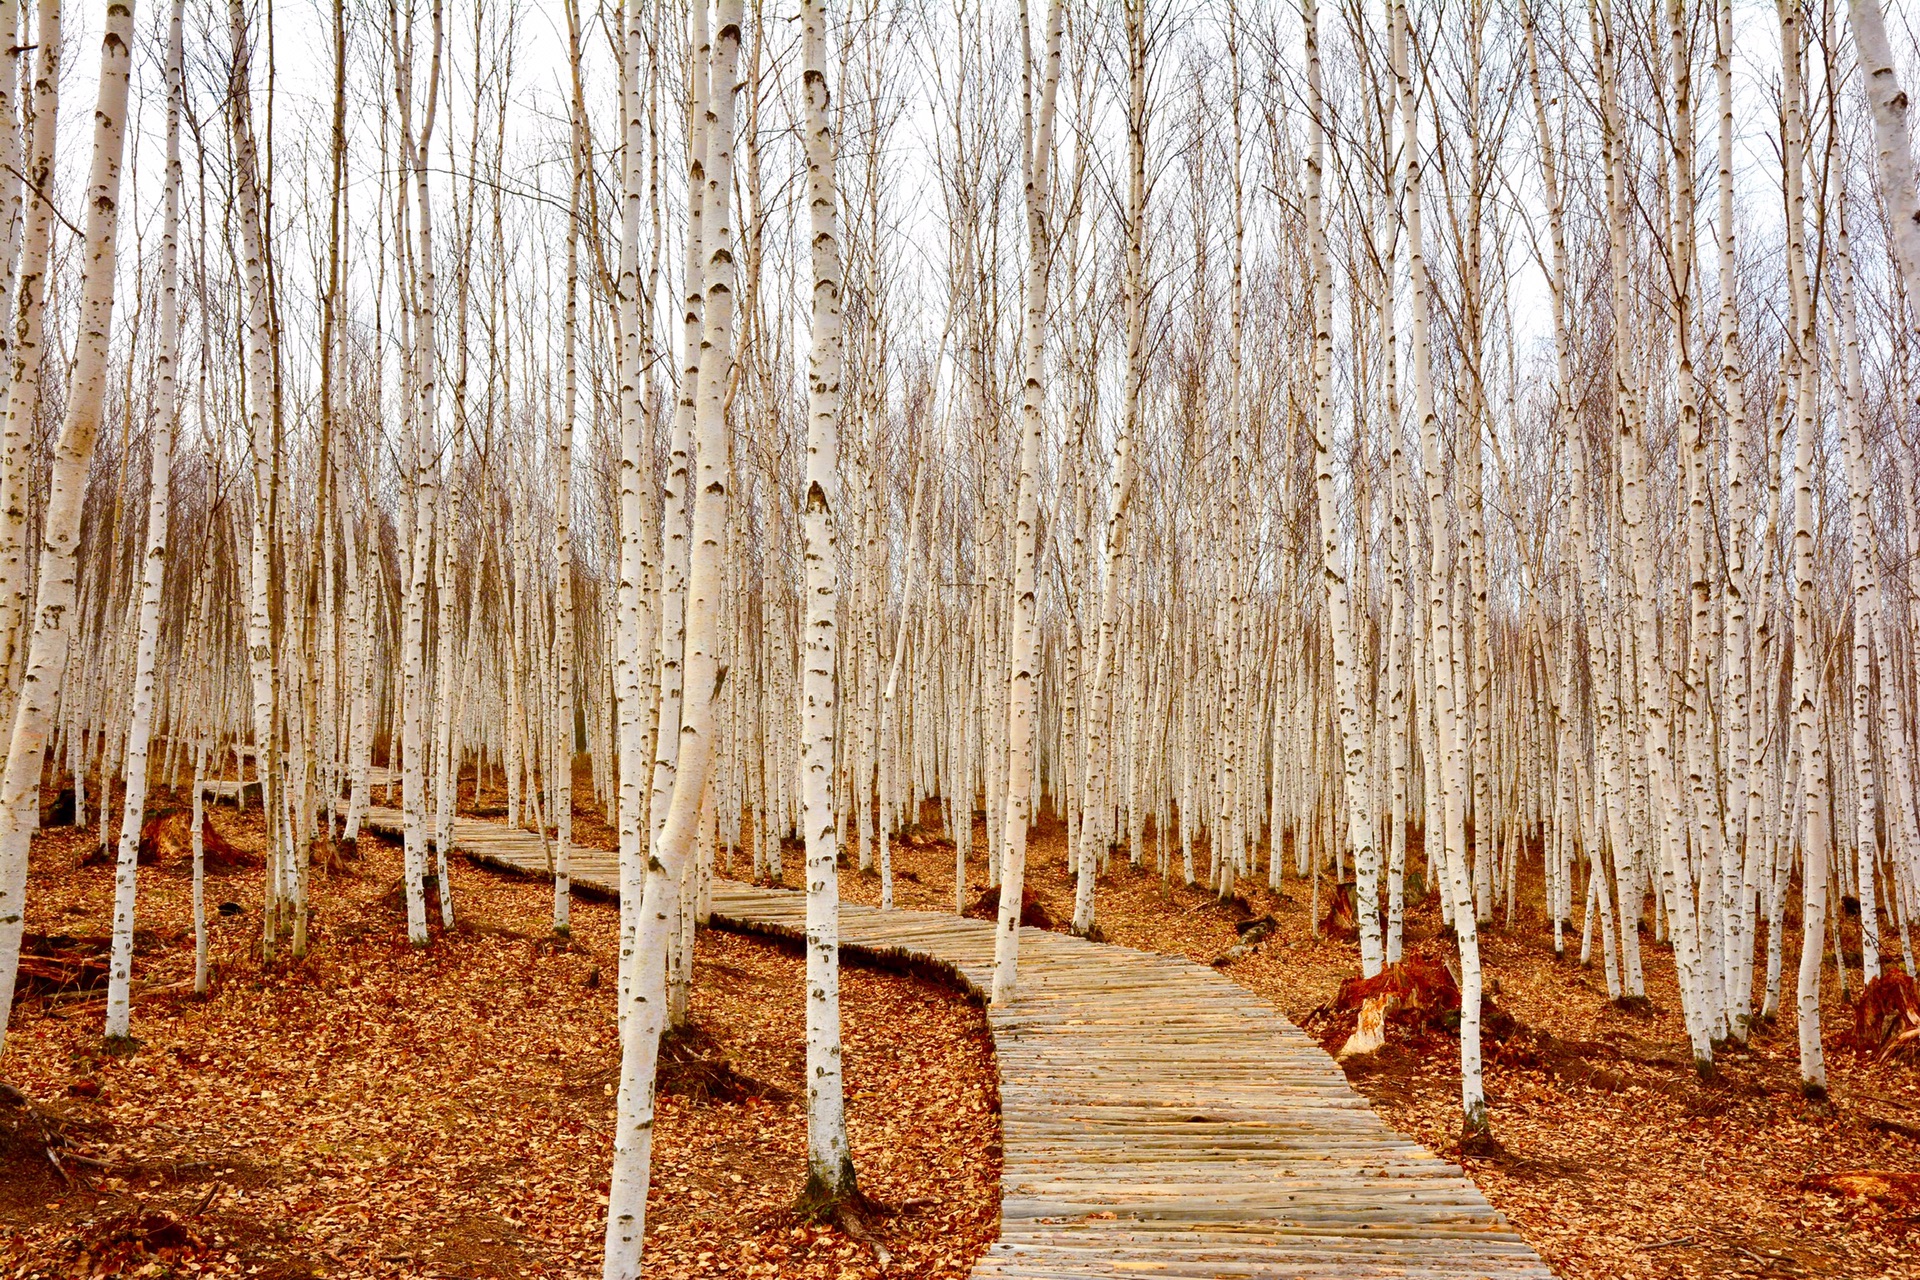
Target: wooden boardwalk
{"x":229,"y":790}
{"x":1156,"y":1118}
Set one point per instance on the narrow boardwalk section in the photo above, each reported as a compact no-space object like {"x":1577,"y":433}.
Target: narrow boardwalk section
{"x":1156,"y":1118}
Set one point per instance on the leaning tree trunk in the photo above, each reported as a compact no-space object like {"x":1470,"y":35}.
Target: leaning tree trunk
{"x":54,"y":609}
{"x":1893,"y":143}
{"x":646,"y":1017}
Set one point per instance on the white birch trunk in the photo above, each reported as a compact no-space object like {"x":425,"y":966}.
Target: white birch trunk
{"x":1861,"y":544}
{"x":1450,"y":735}
{"x":1333,"y":561}
{"x":563,"y":640}
{"x":26,"y":349}
{"x":1023,"y":686}
{"x":830,"y":1173}
{"x":1806,"y":676}
{"x":54,"y":611}
{"x":640,"y":1039}
{"x":423,"y":470}
{"x":446,"y":762}
{"x":154,"y":563}
{"x":1098,"y":749}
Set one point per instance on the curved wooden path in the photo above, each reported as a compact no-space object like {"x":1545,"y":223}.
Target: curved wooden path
{"x":1156,"y":1118}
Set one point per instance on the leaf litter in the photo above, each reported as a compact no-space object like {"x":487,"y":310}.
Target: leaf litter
{"x":1612,"y":1158}
{"x":377,"y":1110}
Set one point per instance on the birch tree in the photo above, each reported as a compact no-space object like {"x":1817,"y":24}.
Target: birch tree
{"x":154,"y":562}
{"x":54,"y":605}
{"x":1024,"y":639}
{"x":830,"y":1173}
{"x":645,"y":1020}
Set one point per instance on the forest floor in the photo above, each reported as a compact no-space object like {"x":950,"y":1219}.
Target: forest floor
{"x":1613,"y":1159}
{"x":381,"y":1111}
{"x":377,"y":1110}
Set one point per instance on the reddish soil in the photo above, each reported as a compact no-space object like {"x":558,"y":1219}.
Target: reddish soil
{"x":379,"y":1111}
{"x":1612,"y":1157}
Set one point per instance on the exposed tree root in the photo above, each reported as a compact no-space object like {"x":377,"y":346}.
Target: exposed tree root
{"x":333,"y":859}
{"x":395,"y":898}
{"x":27,"y":1129}
{"x":691,"y":1067}
{"x":166,"y":839}
{"x":849,"y":1208}
{"x":1477,"y":1140}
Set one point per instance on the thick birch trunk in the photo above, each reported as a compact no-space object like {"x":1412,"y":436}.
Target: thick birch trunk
{"x":830,"y":1173}
{"x":423,"y":469}
{"x":1737,"y":861}
{"x":54,"y":610}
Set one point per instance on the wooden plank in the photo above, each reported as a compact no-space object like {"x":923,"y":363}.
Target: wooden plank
{"x":1154,"y":1116}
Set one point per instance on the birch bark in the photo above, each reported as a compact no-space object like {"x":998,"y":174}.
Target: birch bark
{"x":1448,"y":732}
{"x":26,"y":348}
{"x":262,"y":417}
{"x":1024,"y":634}
{"x":1099,"y":749}
{"x":1893,"y":142}
{"x":1806,"y":676}
{"x":830,"y":1173}
{"x":423,"y":466}
{"x":154,"y":563}
{"x":1861,"y":545}
{"x":563,"y":645}
{"x":1737,"y":870}
{"x":640,"y":1040}
{"x":54,"y":611}
{"x":1333,"y":560}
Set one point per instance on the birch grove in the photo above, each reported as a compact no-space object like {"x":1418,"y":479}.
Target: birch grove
{"x":1423,"y":459}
